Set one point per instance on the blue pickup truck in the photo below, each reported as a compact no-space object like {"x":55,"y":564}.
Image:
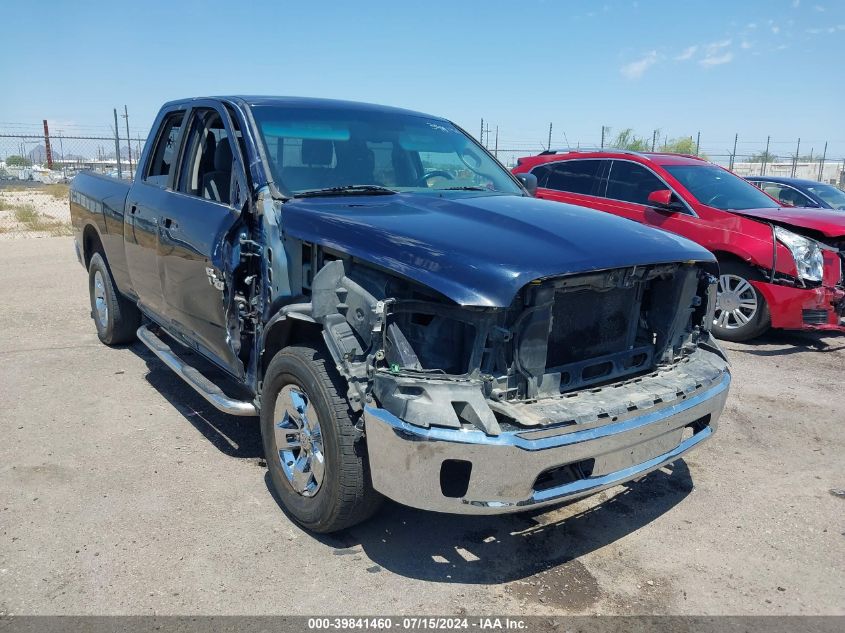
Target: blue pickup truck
{"x":403,"y":316}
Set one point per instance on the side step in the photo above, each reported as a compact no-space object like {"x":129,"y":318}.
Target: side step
{"x":202,"y":385}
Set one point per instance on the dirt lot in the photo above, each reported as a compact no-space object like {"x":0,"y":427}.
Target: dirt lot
{"x":121,"y":491}
{"x":30,"y":210}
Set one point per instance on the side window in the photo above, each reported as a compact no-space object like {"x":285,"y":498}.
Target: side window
{"x":786,"y":195}
{"x":631,"y":182}
{"x":207,"y":171}
{"x":164,"y":153}
{"x":574,"y":176}
{"x":542,"y":173}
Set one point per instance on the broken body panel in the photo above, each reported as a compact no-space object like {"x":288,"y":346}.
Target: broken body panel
{"x":501,"y":351}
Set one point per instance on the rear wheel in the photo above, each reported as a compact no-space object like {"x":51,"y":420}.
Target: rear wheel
{"x":741,"y":311}
{"x":116,"y":317}
{"x":316,"y":459}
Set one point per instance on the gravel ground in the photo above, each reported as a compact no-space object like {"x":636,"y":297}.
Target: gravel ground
{"x":123,"y":492}
{"x":53,"y":213}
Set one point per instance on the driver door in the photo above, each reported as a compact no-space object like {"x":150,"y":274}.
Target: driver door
{"x":626,"y":189}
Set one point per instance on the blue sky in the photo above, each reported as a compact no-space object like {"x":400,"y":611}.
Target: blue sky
{"x":756,"y":67}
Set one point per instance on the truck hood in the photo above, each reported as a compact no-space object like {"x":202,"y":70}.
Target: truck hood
{"x":480,"y":249}
{"x":828,"y":222}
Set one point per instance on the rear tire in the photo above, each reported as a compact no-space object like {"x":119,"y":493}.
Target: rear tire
{"x":741,"y":310}
{"x":116,"y":317}
{"x":315,"y":456}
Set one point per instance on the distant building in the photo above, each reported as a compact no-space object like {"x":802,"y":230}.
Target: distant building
{"x":831,"y":173}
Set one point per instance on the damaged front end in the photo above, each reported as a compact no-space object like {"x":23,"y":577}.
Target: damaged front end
{"x":583,"y":382}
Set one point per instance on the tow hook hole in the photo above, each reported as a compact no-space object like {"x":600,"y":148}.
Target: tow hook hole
{"x":562,"y":475}
{"x":693,"y":428}
{"x":454,"y":477}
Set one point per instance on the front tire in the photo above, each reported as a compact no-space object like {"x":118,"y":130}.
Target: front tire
{"x":116,"y":317}
{"x":316,"y":459}
{"x":741,"y":310}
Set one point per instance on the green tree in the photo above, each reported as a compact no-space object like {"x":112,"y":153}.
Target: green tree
{"x":760,"y":157}
{"x":18,"y":161}
{"x":626,"y":139}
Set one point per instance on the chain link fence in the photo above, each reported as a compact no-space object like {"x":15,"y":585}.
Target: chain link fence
{"x":35,"y":172}
{"x":36,"y":167}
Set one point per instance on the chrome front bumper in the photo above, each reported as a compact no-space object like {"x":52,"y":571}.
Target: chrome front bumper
{"x":499,"y":474}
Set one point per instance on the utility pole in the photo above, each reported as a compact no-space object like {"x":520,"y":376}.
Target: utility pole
{"x":47,"y":151}
{"x":697,"y":142}
{"x":795,"y":158}
{"x":496,"y":147}
{"x":603,"y":129}
{"x":117,"y":146}
{"x":128,"y":140}
{"x":765,"y":156}
{"x":62,"y":156}
{"x":481,"y":134}
{"x":733,"y":156}
{"x":654,"y":139}
{"x":821,"y":163}
{"x":550,"y":136}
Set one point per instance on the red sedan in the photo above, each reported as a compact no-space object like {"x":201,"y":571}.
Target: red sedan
{"x":780,"y":267}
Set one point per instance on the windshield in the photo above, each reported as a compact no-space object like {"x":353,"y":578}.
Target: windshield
{"x":313,"y":149}
{"x":719,"y":188}
{"x":833,"y":196}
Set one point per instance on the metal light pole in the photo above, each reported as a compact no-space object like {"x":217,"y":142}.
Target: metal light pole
{"x":765,"y":156}
{"x":117,"y":146}
{"x":128,"y":140}
{"x":733,"y":156}
{"x":821,"y":164}
{"x":795,"y":159}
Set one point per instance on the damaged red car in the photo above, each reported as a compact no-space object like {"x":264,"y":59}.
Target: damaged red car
{"x":780,"y":267}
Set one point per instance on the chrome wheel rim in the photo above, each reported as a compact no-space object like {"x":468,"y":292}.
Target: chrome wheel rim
{"x":101,"y":306}
{"x":299,"y":441}
{"x":736,"y":302}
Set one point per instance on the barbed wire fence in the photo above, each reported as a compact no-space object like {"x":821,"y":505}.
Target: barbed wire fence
{"x":48,"y":156}
{"x":38,"y":161}
{"x":771,"y":156}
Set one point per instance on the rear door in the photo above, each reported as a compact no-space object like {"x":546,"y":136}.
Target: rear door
{"x":572,"y":181}
{"x":196,"y":244}
{"x":147,"y":197}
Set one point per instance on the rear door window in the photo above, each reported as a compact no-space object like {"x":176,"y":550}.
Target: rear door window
{"x":631,"y":182}
{"x":574,"y":176}
{"x":163,"y":156}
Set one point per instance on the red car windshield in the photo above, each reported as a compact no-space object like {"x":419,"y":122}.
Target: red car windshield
{"x":720,"y":189}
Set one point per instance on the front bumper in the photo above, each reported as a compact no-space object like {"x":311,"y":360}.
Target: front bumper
{"x":792,"y":308}
{"x":511,"y":472}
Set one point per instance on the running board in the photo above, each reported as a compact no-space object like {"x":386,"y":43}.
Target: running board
{"x":202,"y":385}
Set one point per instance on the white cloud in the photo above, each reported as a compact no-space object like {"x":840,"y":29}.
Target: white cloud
{"x":715,"y":47}
{"x":636,"y":68}
{"x":751,"y":25}
{"x":796,"y":4}
{"x":819,"y":8}
{"x":717,"y":60}
{"x":775,"y":29}
{"x":687,"y":53}
{"x":746,"y":44}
